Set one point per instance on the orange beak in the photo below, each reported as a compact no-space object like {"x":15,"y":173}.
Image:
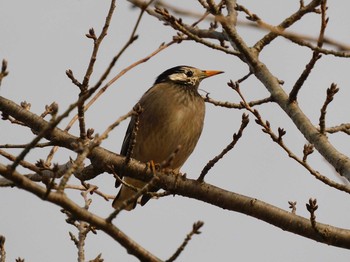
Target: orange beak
{"x":209,"y":73}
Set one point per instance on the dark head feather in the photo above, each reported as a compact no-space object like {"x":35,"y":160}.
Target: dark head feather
{"x":164,"y":76}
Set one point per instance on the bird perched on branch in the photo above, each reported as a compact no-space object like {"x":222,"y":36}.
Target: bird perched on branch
{"x":169,"y":125}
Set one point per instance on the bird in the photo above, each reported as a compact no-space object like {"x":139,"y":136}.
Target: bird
{"x":170,"y":124}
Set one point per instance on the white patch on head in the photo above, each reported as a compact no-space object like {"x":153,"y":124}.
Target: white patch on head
{"x":178,"y":77}
{"x":187,"y":77}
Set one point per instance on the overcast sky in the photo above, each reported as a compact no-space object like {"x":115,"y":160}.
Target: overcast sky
{"x":42,"y":39}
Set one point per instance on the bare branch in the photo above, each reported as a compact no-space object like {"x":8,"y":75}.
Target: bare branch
{"x":299,"y":83}
{"x":133,"y":37}
{"x":75,"y":81}
{"x":293,"y":206}
{"x":41,"y":145}
{"x":79,"y":213}
{"x":235,"y":105}
{"x":236,"y":137}
{"x":312,"y":207}
{"x":308,"y":150}
{"x":315,"y":56}
{"x":85,"y":84}
{"x":97,"y":259}
{"x":132,"y":199}
{"x":195,"y":231}
{"x":338,"y":160}
{"x":102,"y":158}
{"x":2,"y":249}
{"x":191,"y":32}
{"x":87,"y":146}
{"x":330,"y":95}
{"x":278,"y":139}
{"x":341,"y":128}
{"x":287,"y":23}
{"x":97,"y":43}
{"x":4,"y":71}
{"x":42,"y":134}
{"x":182,"y":186}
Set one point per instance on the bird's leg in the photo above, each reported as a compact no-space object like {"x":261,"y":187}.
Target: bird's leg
{"x":151,"y":165}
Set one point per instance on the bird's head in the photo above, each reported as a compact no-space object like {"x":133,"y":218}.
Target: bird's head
{"x":185,"y":75}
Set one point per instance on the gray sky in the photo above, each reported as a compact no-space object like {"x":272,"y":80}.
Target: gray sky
{"x":41,"y":39}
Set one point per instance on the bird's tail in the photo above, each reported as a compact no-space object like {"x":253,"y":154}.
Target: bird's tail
{"x":126,"y":193}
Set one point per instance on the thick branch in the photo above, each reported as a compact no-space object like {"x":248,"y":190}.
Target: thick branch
{"x":338,"y":160}
{"x":79,"y":213}
{"x":102,"y":159}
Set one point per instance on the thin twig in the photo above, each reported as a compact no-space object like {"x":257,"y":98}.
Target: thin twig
{"x":279,"y":140}
{"x":308,"y":150}
{"x":190,"y":32}
{"x":97,"y":43}
{"x":293,"y":206}
{"x":70,"y":75}
{"x":289,"y":21}
{"x":86,"y":149}
{"x":203,"y":3}
{"x":235,"y":105}
{"x":315,"y":56}
{"x":23,"y":163}
{"x":2,"y":249}
{"x":131,"y":39}
{"x":182,"y":11}
{"x":83,"y":227}
{"x":330,"y":95}
{"x":44,"y":132}
{"x":312,"y":207}
{"x":122,"y":181}
{"x":345,"y":128}
{"x":272,"y":29}
{"x":4,"y":71}
{"x":98,"y":258}
{"x":236,"y":137}
{"x":77,"y":164}
{"x":132,"y":199}
{"x":195,"y":231}
{"x":83,"y":86}
{"x":301,"y":80}
{"x":299,"y":39}
{"x":116,"y":123}
{"x":51,"y":109}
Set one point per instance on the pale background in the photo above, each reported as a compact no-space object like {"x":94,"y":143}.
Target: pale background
{"x":41,"y":39}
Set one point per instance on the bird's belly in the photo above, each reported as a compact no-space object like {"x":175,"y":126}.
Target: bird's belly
{"x":172,"y":135}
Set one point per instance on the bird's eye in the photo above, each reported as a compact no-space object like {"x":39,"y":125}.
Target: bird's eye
{"x":189,"y":73}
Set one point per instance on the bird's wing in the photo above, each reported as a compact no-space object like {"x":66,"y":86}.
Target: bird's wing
{"x":127,"y":138}
{"x":128,"y":134}
{"x":126,"y":144}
